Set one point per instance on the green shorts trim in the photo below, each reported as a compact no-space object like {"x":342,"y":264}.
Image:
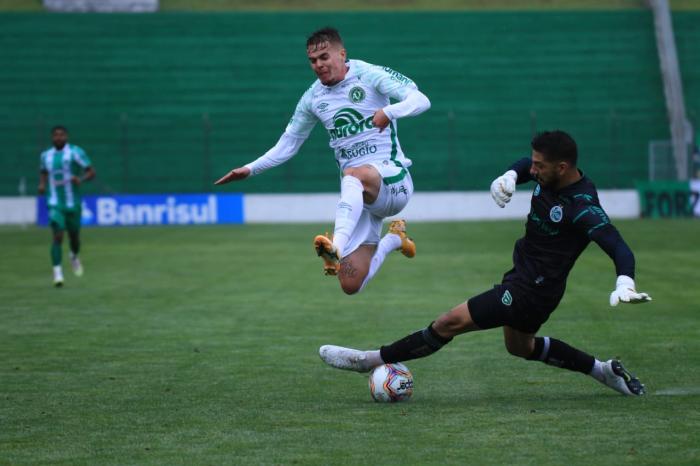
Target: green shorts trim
{"x":396,"y":178}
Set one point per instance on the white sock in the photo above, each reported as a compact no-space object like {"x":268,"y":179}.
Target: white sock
{"x":390,"y":242}
{"x":597,"y":371}
{"x":57,"y":271}
{"x":374,"y":359}
{"x":347,"y":212}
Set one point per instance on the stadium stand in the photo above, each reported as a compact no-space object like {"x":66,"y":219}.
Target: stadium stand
{"x":167,"y":102}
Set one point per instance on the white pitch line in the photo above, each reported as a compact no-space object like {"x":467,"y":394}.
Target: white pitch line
{"x":678,"y":391}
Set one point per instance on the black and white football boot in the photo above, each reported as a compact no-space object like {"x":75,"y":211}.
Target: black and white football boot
{"x":620,"y":379}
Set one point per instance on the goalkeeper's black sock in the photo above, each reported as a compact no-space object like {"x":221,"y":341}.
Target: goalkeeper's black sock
{"x":417,"y":345}
{"x":557,"y":353}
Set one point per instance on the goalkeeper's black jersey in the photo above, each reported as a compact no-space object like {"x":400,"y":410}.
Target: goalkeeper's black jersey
{"x":559,"y":227}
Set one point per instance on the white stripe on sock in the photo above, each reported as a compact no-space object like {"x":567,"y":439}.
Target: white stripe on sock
{"x":597,"y":371}
{"x":545,"y":350}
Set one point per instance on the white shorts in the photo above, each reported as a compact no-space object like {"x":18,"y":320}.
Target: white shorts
{"x":396,"y":190}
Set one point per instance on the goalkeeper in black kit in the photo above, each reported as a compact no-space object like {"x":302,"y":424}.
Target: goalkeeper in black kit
{"x":565,"y":215}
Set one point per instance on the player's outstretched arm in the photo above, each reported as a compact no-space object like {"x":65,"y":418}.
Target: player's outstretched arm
{"x":503,"y":187}
{"x":234,"y":175}
{"x":594,"y":219}
{"x":625,"y":292}
{"x":287,"y":146}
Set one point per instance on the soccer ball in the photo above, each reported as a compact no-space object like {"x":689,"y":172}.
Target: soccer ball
{"x":390,"y":383}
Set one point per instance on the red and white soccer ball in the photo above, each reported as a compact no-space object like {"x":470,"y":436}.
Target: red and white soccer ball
{"x":390,"y":383}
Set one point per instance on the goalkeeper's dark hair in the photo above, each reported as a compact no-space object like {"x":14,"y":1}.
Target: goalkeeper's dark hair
{"x":59,"y":128}
{"x":556,"y":146}
{"x":327,"y":34}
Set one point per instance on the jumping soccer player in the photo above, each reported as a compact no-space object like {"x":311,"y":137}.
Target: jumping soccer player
{"x":64,"y":166}
{"x":351,"y":99}
{"x":565,"y":215}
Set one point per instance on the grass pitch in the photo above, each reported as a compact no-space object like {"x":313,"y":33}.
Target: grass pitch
{"x":199,"y":346}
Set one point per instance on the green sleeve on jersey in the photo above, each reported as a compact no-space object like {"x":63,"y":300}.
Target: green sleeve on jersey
{"x":80,"y":157}
{"x":42,"y":162}
{"x":303,"y":120}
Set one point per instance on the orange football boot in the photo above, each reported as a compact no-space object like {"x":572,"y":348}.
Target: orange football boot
{"x":408,"y":247}
{"x":325,"y":249}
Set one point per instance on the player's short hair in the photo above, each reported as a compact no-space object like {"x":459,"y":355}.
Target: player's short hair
{"x":556,"y":146}
{"x":327,"y":34}
{"x":59,"y":128}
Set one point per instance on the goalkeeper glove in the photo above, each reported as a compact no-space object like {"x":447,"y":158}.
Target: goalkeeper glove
{"x":503,"y":187}
{"x":625,"y":292}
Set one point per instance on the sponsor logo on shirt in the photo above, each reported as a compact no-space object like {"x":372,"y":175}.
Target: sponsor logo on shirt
{"x":358,"y":149}
{"x":349,"y":122}
{"x":542,"y":225}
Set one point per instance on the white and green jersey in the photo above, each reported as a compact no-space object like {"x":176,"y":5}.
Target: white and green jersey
{"x":346,"y":112}
{"x":61,"y":165}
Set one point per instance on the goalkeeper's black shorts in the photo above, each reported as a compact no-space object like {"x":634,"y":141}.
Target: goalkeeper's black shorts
{"x":513,"y":304}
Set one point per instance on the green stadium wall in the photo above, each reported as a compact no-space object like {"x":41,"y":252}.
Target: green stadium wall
{"x":168,"y":102}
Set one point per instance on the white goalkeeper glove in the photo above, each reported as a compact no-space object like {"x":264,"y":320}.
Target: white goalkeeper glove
{"x":625,"y":292}
{"x":503,"y":187}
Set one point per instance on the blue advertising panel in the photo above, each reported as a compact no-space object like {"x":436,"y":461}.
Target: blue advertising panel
{"x":156,"y":209}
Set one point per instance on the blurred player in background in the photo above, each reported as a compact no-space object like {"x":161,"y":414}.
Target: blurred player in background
{"x":565,"y":216}
{"x":351,"y":98}
{"x":63,"y":168}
